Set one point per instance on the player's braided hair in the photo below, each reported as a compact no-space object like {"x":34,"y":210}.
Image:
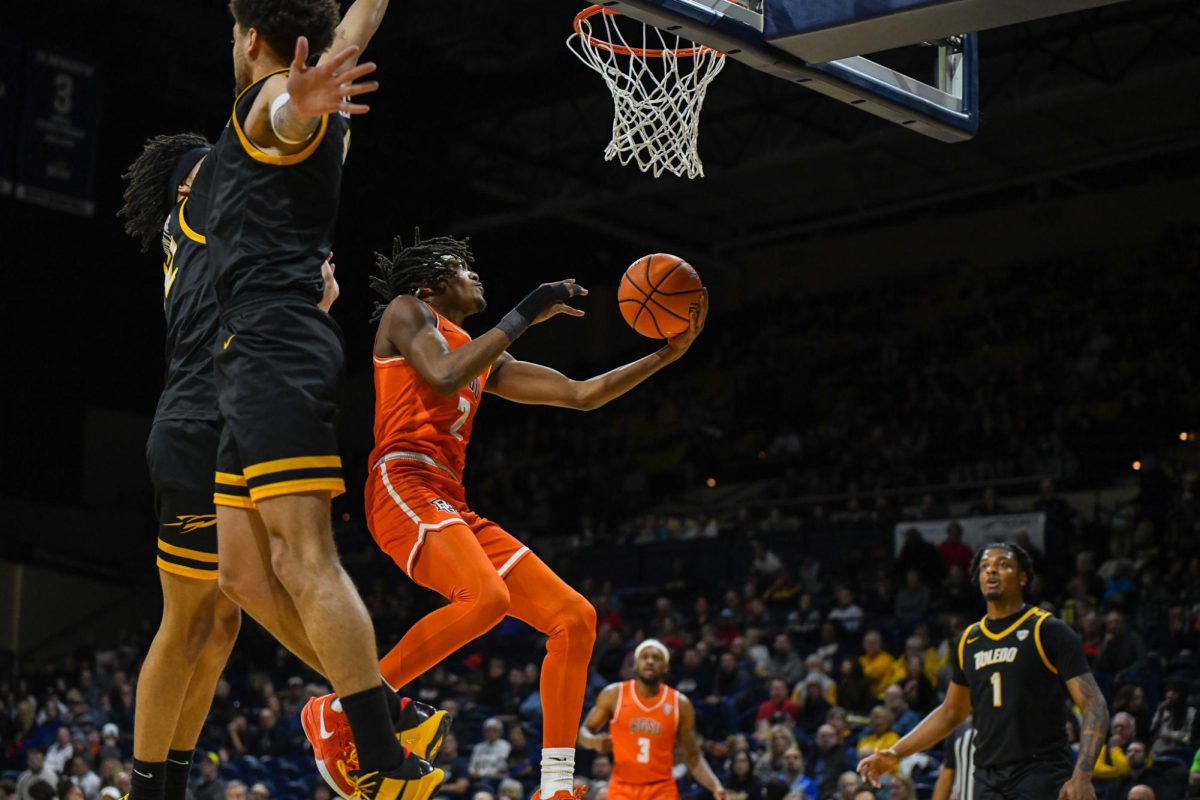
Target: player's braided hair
{"x":147,"y":202}
{"x":281,"y":22}
{"x":421,"y":265}
{"x":1024,"y":562}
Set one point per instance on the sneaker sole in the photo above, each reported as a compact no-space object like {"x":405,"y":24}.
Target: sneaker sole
{"x":422,"y":789}
{"x":426,"y":739}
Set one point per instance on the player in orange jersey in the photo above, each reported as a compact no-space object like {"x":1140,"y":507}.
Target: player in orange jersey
{"x":430,"y":376}
{"x":645,"y":717}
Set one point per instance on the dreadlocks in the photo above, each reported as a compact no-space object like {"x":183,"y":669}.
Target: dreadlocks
{"x":147,"y":200}
{"x":1024,"y":562}
{"x":424,"y":264}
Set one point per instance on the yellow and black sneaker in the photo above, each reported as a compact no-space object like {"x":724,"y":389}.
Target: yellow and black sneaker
{"x":422,"y":728}
{"x":415,"y":779}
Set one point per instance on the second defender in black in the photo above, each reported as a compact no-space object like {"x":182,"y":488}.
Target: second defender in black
{"x":1014,"y":670}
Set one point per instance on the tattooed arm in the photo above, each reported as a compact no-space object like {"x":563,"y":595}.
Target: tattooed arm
{"x":1092,"y":730}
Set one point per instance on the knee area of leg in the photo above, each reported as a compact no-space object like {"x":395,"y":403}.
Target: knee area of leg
{"x":492,"y":600}
{"x":579,"y":617}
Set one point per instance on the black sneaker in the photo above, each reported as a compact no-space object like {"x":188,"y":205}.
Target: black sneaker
{"x":415,"y":779}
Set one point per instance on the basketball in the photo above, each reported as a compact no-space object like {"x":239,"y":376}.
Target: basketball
{"x":656,"y":294}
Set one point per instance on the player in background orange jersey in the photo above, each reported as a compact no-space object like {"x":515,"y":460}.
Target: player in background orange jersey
{"x":645,"y":717}
{"x":429,"y":378}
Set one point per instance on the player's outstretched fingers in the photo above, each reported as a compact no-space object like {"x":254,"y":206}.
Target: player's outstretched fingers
{"x":354,"y":73}
{"x":298,"y":61}
{"x":340,"y":57}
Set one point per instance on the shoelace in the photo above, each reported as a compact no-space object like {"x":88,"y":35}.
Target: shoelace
{"x":345,"y":768}
{"x":362,"y":785}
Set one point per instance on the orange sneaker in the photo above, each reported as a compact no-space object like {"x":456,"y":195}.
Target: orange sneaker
{"x":562,"y":794}
{"x":420,"y":729}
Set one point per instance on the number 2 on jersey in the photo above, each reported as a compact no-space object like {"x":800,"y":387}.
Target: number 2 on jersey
{"x":643,"y":756}
{"x":997,"y":697}
{"x":464,"y":405}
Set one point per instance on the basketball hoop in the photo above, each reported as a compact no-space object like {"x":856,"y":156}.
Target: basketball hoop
{"x":658,"y":85}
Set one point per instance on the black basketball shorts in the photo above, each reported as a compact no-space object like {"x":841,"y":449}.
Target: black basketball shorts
{"x":182,"y":454}
{"x":1035,"y":779}
{"x":278,"y":370}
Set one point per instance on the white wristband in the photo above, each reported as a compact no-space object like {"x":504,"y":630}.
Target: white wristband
{"x":277,"y":104}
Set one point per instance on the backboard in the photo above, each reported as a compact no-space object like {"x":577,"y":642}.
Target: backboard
{"x":826,"y":46}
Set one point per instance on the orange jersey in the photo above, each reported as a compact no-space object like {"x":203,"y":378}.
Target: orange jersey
{"x":411,"y":417}
{"x":643,"y":735}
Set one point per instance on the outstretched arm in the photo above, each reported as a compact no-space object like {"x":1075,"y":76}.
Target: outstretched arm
{"x":357,"y":27}
{"x":597,"y":718}
{"x":935,"y":727}
{"x":408,"y":328}
{"x":697,"y":764}
{"x":523,"y":382}
{"x":1090,"y":699}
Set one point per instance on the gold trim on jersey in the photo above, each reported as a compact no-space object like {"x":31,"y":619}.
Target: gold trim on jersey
{"x":187,"y":572}
{"x":230,"y":479}
{"x":264,"y":157}
{"x":1037,"y":639}
{"x":995,"y":637}
{"x":962,"y":646}
{"x":232,"y":500}
{"x":183,"y":552}
{"x":335,"y":486}
{"x":187,"y":229}
{"x":289,"y":464}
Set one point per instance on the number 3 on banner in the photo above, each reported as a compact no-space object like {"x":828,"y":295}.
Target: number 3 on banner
{"x":464,"y":405}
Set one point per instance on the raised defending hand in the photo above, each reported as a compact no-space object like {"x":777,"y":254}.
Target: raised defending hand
{"x":698,"y":312}
{"x":324,"y":89}
{"x":878,"y":763}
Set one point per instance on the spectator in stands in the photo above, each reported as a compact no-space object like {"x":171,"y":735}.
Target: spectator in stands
{"x":1121,"y":650}
{"x":510,"y":789}
{"x":804,"y":621}
{"x":1078,"y":602}
{"x":778,"y":708}
{"x":739,"y":779}
{"x":846,"y":785}
{"x":1174,"y":724}
{"x":210,"y":786}
{"x":830,"y":759}
{"x":1085,"y":572}
{"x":786,"y":663}
{"x":458,"y":780}
{"x":864,"y":792}
{"x":1112,"y":763}
{"x":109,"y":737}
{"x":879,"y":735}
{"x":912,"y":600}
{"x":1141,"y":771}
{"x":901,"y":787}
{"x":793,"y":775}
{"x":1131,"y":699}
{"x":813,"y":704}
{"x":69,"y":791}
{"x":952,"y":550}
{"x":489,"y":759}
{"x":853,"y":689}
{"x":770,"y":763}
{"x":260,"y":791}
{"x":958,"y":595}
{"x":904,"y":718}
{"x":35,"y":770}
{"x":483,"y":795}
{"x":876,"y":663}
{"x":731,"y":682}
{"x":766,"y":563}
{"x":59,"y":753}
{"x":918,"y":554}
{"x":846,"y":613}
{"x":522,"y":758}
{"x":830,"y":649}
{"x":601,"y":768}
{"x":814,"y":669}
{"x":84,"y":777}
{"x":988,"y":505}
{"x":235,"y":790}
{"x":1141,"y":792}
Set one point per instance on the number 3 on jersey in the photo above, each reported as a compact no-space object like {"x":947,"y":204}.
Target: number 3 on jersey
{"x":464,"y":405}
{"x":643,"y":755}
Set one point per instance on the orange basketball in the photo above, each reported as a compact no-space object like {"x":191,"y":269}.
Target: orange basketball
{"x":656,"y":294}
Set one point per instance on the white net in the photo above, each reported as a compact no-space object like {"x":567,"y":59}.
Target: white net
{"x":658,"y":81}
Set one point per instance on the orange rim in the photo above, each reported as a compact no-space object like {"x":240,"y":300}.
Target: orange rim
{"x":622,"y":50}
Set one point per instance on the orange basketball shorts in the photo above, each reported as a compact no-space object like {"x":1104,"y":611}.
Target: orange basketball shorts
{"x":662,"y":790}
{"x":406,"y":502}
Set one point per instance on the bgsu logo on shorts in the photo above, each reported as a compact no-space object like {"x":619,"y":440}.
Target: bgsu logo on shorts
{"x":442,"y":505}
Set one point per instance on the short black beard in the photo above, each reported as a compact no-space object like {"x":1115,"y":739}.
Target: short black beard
{"x":653,"y":683}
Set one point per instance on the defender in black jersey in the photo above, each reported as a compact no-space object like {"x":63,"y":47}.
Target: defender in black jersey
{"x":277,"y":171}
{"x":199,"y":624}
{"x":1014,"y":671}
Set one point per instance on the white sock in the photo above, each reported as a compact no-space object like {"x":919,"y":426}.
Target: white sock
{"x":336,"y":705}
{"x":558,"y":770}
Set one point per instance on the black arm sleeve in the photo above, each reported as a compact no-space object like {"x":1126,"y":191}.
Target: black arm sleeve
{"x":1064,"y":649}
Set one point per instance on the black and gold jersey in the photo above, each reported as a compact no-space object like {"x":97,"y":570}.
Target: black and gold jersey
{"x":1015,"y":669}
{"x":190,"y":306}
{"x":272,"y":216}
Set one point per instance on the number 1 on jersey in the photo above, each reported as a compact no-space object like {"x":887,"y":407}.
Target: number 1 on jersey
{"x":464,"y":405}
{"x":643,"y":756}
{"x":997,"y":697}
